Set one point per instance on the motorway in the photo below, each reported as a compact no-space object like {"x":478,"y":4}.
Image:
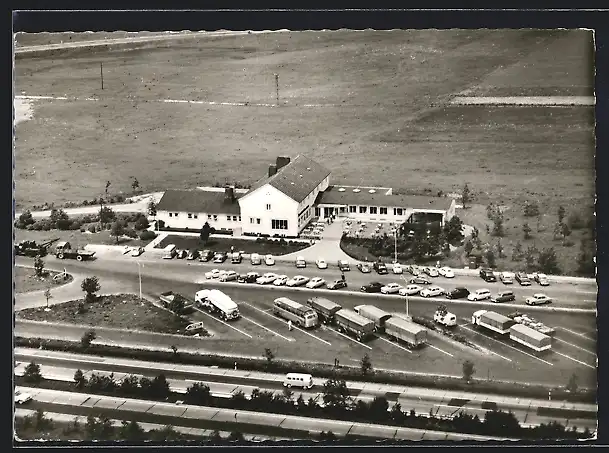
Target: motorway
{"x":225,"y":383}
{"x":574,"y":347}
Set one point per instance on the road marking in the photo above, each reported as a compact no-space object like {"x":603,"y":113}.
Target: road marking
{"x":511,"y":347}
{"x":395,"y":344}
{"x":266,"y":328}
{"x":349,"y":338}
{"x":575,"y":346}
{"x":438,"y":349}
{"x":279,"y":319}
{"x":575,"y":360}
{"x":219,"y":320}
{"x":576,"y":333}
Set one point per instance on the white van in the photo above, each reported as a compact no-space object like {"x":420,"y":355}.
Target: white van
{"x":169,"y":252}
{"x":298,"y":380}
{"x":255,"y":259}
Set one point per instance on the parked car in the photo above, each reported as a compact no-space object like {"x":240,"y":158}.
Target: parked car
{"x":229,"y":276}
{"x":255,"y":259}
{"x":337,"y":284}
{"x":315,"y":282}
{"x":269,"y":260}
{"x":431,"y":271}
{"x":506,"y":278}
{"x":364,"y":268}
{"x":181,"y":254}
{"x":420,"y":281}
{"x":542,"y":279}
{"x":396,"y":268}
{"x":446,"y":272}
{"x":269,"y":277}
{"x":432,"y":291}
{"x":344,"y":266}
{"x":374,"y":287}
{"x":214,"y":273}
{"x":193,"y":329}
{"x":522,"y":279}
{"x":479,"y":294}
{"x":206,"y":255}
{"x":321,"y":263}
{"x":457,"y":293}
{"x":391,"y":288}
{"x":137,"y":251}
{"x":538,"y":299}
{"x":297,"y":280}
{"x":410,"y":290}
{"x":22,"y":397}
{"x":487,"y":275}
{"x":250,"y":277}
{"x":301,"y":262}
{"x":219,"y":257}
{"x":380,"y":268}
{"x":281,"y":280}
{"x":503,"y":296}
{"x":192,"y":255}
{"x":414,"y":270}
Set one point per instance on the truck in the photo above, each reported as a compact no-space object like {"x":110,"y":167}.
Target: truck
{"x":374,"y":314}
{"x":408,"y":332}
{"x":532,"y":323}
{"x":170,"y":300}
{"x":64,"y":250}
{"x":350,"y":323}
{"x":32,"y":248}
{"x":326,"y":309}
{"x":509,"y":328}
{"x":216,"y":302}
{"x":444,"y":317}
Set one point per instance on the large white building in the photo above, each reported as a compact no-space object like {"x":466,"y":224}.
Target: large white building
{"x":285,"y":200}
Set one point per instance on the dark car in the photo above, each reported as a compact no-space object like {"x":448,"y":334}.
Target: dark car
{"x":250,"y":277}
{"x":522,"y":279}
{"x":487,"y":275}
{"x":374,"y":287}
{"x":380,"y":268}
{"x":337,"y":284}
{"x":420,"y":281}
{"x":181,"y":254}
{"x":458,"y":293}
{"x":206,"y":255}
{"x":504,"y":296}
{"x":219,"y":257}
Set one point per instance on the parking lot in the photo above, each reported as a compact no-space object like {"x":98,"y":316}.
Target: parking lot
{"x":362,"y":229}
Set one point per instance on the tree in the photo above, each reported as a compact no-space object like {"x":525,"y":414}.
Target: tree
{"x":529,"y":257}
{"x":465,"y":196}
{"x":48,"y":295}
{"x":453,"y":230}
{"x":396,"y":413}
{"x":468,"y":247}
{"x":565,"y":231}
{"x":498,"y":225}
{"x":60,"y":219}
{"x":206,"y":230}
{"x":491,"y":211}
{"x":561,"y":214}
{"x":269,"y":356}
{"x":177,"y":305}
{"x":198,"y":393}
{"x":366,"y":365}
{"x":500,"y":422}
{"x":106,"y":215}
{"x":557,"y":230}
{"x":131,"y":430}
{"x":517,"y":252}
{"x":130,"y":385}
{"x":90,"y":285}
{"x":548,"y":262}
{"x":572,"y":385}
{"x":531,"y":209}
{"x":468,"y":370}
{"x":152,"y":207}
{"x":91,"y":427}
{"x":88,"y":338}
{"x":38,"y":266}
{"x":499,"y":248}
{"x":25,"y":219}
{"x":135,"y":184}
{"x":336,"y":393}
{"x":490,"y":258}
{"x":32,"y":373}
{"x":80,"y":379}
{"x":585,"y":260}
{"x":526,"y":229}
{"x":160,"y":387}
{"x":118,"y":229}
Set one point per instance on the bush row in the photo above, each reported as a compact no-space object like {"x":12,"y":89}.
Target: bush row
{"x":73,"y":204}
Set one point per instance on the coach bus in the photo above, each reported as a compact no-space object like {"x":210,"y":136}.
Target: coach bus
{"x":299,"y":314}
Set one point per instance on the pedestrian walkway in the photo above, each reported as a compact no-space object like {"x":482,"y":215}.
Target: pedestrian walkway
{"x":328,"y":247}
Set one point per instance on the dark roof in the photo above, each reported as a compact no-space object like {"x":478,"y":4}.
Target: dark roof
{"x":332,"y":196}
{"x":297,"y":179}
{"x":198,"y":201}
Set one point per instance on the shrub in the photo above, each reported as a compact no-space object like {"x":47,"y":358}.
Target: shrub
{"x":147,"y":235}
{"x":75,"y":225}
{"x":131,"y":233}
{"x":141,"y":223}
{"x":92,"y":228}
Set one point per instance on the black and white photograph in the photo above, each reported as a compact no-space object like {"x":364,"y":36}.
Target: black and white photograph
{"x":320,"y":236}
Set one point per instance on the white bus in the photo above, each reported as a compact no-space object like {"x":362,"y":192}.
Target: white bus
{"x":299,"y":314}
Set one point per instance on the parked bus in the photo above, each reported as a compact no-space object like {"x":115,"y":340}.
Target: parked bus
{"x":299,"y":314}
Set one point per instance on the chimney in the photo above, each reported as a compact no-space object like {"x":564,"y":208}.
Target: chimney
{"x":229,"y":194}
{"x":282,"y":162}
{"x":272,"y":169}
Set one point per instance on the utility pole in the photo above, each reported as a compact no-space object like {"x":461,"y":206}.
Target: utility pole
{"x":101,"y":71}
{"x":139,"y":273}
{"x":395,"y":243}
{"x":277,"y":87}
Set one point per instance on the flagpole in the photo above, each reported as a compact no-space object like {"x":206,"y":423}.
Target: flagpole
{"x":139,"y":273}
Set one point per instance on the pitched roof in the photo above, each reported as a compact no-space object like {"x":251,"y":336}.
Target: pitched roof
{"x":332,"y":196}
{"x":197,"y":201}
{"x":297,"y":179}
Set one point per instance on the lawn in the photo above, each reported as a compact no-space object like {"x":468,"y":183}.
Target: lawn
{"x":122,"y":311}
{"x":224,"y":245}
{"x":26,"y":280}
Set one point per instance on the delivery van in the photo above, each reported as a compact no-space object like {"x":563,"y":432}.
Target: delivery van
{"x":298,"y":380}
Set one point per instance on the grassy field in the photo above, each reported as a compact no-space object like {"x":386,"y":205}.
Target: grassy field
{"x":26,"y":280}
{"x":123,"y":311}
{"x":224,"y":245}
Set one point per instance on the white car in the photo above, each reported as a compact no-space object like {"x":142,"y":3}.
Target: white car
{"x":214,"y":273}
{"x":538,"y":299}
{"x":542,"y":279}
{"x":321,"y":263}
{"x":507,"y":278}
{"x":228,"y":276}
{"x":281,"y":280}
{"x":137,"y":251}
{"x":269,"y":277}
{"x":391,"y":288}
{"x":297,"y":280}
{"x":479,"y":294}
{"x":410,"y":290}
{"x":22,"y":397}
{"x":315,"y":282}
{"x":432,"y":291}
{"x":397,"y":268}
{"x":446,"y":272}
{"x":269,"y":260}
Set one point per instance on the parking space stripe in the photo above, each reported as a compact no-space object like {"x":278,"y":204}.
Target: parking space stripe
{"x":349,"y":338}
{"x":219,"y":320}
{"x":575,"y":360}
{"x":285,"y":322}
{"x":395,"y":344}
{"x":576,"y":333}
{"x":266,"y":328}
{"x":438,"y":349}
{"x":575,"y":346}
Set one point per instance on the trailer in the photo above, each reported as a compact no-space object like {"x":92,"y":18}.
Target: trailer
{"x":216,"y":302}
{"x":375,"y":314}
{"x":408,"y":332}
{"x":492,"y":321}
{"x":169,"y":298}
{"x":530,"y":338}
{"x":350,"y":323}
{"x":531,"y":322}
{"x":326,"y":309}
{"x":64,"y":250}
{"x":32,"y":248}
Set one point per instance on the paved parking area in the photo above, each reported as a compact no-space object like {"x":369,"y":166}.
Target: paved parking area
{"x":360,"y":229}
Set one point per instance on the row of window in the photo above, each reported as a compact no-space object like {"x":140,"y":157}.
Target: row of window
{"x":375,"y":210}
{"x":235,"y":218}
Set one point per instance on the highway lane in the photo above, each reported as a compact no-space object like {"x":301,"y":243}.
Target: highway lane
{"x":226,"y":419}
